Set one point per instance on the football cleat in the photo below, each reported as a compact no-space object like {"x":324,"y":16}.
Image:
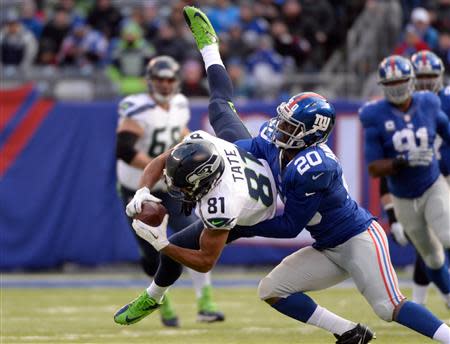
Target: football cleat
{"x":207,"y":309}
{"x":168,"y":315}
{"x":136,"y":310}
{"x":360,"y":334}
{"x":201,"y":28}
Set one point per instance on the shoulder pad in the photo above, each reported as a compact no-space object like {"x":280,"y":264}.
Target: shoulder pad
{"x":265,"y":131}
{"x":314,"y":168}
{"x":135,"y":104}
{"x":180,"y":100}
{"x":446,"y":90}
{"x":430,"y":98}
{"x":368,"y":113}
{"x":198,"y":134}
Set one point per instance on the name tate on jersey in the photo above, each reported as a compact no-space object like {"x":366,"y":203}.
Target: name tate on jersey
{"x":233,"y":160}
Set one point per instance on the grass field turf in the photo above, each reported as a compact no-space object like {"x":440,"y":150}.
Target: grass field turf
{"x":85,"y":315}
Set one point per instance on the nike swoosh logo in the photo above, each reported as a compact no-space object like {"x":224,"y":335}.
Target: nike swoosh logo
{"x":215,"y":223}
{"x":129,"y":320}
{"x":197,"y":14}
{"x":309,"y":193}
{"x":317,"y":176}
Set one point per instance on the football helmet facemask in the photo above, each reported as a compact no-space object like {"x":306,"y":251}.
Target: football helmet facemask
{"x":396,"y":77}
{"x":192,"y":169}
{"x":163,"y":78}
{"x":429,"y":71}
{"x":305,"y":120}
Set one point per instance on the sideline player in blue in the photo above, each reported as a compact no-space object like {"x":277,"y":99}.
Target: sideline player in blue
{"x":429,"y":71}
{"x":400,"y":132}
{"x":349,"y":242}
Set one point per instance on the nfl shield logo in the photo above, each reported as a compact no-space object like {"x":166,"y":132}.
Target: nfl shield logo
{"x":389,"y":125}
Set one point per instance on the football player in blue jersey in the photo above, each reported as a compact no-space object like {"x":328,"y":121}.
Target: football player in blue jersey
{"x":429,"y":71}
{"x":400,"y":132}
{"x":308,"y":176}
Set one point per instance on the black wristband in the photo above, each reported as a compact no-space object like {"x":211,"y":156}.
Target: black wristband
{"x":399,"y":163}
{"x":391,"y":216}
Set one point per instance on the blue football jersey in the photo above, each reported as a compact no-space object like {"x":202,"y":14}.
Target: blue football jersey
{"x":390,"y":133}
{"x":444,"y":149}
{"x":314,"y":192}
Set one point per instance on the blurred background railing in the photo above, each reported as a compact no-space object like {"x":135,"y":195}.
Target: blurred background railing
{"x":98,"y":49}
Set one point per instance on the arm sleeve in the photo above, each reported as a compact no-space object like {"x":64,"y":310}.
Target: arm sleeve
{"x":256,"y":146}
{"x":443,"y":126}
{"x":373,"y":149}
{"x":251,"y":146}
{"x":297,"y":213}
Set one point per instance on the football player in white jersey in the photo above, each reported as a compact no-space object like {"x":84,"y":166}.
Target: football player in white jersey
{"x":227,"y":186}
{"x":149,"y":124}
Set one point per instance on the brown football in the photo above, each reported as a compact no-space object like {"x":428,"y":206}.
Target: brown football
{"x":152,"y":213}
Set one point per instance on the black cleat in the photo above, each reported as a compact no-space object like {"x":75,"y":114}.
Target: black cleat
{"x":360,"y":334}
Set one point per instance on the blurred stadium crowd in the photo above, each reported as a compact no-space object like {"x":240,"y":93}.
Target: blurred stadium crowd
{"x":270,"y":47}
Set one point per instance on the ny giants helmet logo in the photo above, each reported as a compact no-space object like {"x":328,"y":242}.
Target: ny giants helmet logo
{"x":321,"y":122}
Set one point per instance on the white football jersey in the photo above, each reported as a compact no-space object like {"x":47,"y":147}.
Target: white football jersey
{"x":244,"y":195}
{"x":162,"y":130}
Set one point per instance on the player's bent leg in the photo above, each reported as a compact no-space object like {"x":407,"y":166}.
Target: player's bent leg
{"x":425,"y":241}
{"x":368,"y":252}
{"x":222,"y":114}
{"x":366,"y":258}
{"x":437,"y":210}
{"x":420,"y":282}
{"x":309,"y":269}
{"x":169,"y":270}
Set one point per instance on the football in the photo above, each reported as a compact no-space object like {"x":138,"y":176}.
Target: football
{"x":152,"y":213}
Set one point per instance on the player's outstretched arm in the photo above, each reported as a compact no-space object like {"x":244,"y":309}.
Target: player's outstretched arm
{"x":211,"y":244}
{"x":154,"y":170}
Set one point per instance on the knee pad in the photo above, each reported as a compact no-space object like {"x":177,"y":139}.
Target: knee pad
{"x":384,"y":310}
{"x":267,"y":288}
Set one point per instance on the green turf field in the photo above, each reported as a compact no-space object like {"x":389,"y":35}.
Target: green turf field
{"x":85,"y":315}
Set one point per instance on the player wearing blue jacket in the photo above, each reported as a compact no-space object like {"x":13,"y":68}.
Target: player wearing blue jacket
{"x":400,"y":132}
{"x":349,"y":242}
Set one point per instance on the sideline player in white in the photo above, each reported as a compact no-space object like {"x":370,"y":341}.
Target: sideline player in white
{"x":150,"y":123}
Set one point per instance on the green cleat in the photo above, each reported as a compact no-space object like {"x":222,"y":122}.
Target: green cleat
{"x":207,"y":309}
{"x":200,"y":26}
{"x":136,"y":310}
{"x":168,"y":316}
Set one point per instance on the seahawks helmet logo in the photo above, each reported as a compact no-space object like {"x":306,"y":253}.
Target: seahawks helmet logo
{"x":204,"y":170}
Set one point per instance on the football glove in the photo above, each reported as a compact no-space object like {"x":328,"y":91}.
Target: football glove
{"x":155,"y":236}
{"x":398,"y":234}
{"x":420,"y":157}
{"x":135,"y":205}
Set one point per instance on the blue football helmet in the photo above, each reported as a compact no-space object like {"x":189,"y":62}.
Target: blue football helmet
{"x":429,"y":71}
{"x":396,"y":77}
{"x":305,"y":120}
